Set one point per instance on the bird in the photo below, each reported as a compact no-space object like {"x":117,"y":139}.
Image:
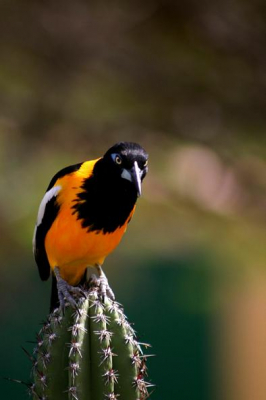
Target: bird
{"x":83,"y":216}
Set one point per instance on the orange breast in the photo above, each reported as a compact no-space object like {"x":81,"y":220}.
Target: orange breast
{"x":71,"y":247}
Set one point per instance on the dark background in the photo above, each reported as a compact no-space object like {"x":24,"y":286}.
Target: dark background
{"x":187,"y":80}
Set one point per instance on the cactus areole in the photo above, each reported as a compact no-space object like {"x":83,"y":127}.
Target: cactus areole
{"x":90,"y":353}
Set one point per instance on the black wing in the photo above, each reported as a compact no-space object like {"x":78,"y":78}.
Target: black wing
{"x":48,"y":211}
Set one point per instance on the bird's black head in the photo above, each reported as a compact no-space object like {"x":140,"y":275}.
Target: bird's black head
{"x":129,"y":161}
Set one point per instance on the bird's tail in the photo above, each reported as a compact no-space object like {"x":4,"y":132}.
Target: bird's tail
{"x":54,"y":303}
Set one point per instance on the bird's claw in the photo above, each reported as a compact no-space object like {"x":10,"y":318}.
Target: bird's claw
{"x":65,"y":292}
{"x":105,"y":289}
{"x":102,"y":283}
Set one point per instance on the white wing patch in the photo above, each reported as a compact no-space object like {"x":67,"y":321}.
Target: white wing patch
{"x":47,"y":197}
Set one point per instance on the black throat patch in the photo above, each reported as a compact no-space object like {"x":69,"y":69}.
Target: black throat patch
{"x":106,"y":200}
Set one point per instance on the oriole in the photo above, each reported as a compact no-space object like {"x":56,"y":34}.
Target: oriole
{"x":83,"y":216}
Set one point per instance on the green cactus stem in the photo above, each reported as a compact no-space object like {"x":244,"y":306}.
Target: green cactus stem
{"x":90,"y":353}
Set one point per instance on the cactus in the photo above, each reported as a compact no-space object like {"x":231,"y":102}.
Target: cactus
{"x":90,"y":353}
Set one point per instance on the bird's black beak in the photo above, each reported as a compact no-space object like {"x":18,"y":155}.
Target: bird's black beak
{"x":136,"y":173}
{"x":133,"y":175}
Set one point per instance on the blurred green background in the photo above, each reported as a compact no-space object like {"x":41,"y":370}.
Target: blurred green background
{"x":187,"y":80}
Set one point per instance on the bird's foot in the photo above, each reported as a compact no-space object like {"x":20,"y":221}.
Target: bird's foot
{"x":105,"y":288}
{"x":102,"y":282}
{"x":65,"y":290}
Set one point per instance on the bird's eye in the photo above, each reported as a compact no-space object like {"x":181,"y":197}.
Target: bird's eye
{"x":118,"y":160}
{"x":145,"y":164}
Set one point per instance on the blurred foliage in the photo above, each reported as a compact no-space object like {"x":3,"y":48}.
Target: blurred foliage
{"x":186,"y":80}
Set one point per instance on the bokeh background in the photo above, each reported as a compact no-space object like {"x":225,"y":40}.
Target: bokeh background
{"x":187,"y":80}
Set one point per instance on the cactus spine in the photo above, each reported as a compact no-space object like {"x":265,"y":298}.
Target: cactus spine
{"x":89,"y":354}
